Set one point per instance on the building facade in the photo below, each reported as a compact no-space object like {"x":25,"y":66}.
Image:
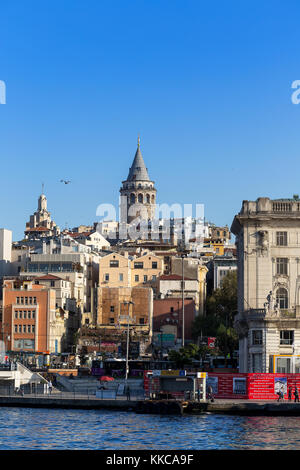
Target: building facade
{"x":268,"y":251}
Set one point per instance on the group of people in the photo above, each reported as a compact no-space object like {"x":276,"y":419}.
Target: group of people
{"x":290,"y":394}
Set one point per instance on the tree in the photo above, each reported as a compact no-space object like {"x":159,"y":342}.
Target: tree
{"x":184,"y":355}
{"x":227,"y":340}
{"x":221,"y":307}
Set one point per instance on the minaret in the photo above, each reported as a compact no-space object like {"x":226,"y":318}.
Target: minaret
{"x":139,"y":190}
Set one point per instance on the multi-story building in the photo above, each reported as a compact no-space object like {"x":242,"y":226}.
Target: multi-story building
{"x":145,"y":269}
{"x":27,"y":313}
{"x":119,"y":307}
{"x":268,"y":251}
{"x":5,"y":252}
{"x":114,"y":270}
{"x":195,"y":269}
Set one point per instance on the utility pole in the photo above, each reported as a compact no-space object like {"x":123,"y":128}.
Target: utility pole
{"x":127,"y":342}
{"x":182,"y":258}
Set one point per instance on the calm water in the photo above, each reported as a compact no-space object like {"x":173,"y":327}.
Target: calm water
{"x":25,"y":428}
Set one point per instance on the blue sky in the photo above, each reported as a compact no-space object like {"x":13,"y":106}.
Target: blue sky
{"x":206,"y":84}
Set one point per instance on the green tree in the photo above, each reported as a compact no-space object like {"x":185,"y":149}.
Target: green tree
{"x":184,"y":355}
{"x":221,"y":307}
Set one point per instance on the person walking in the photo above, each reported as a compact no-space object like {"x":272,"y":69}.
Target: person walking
{"x":290,"y":394}
{"x":296,"y":395}
{"x":50,"y":387}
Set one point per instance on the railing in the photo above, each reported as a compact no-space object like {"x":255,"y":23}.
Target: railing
{"x":39,"y":393}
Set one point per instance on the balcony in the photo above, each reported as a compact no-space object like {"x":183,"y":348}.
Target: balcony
{"x":259,"y":313}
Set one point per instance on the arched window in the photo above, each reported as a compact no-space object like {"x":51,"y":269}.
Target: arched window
{"x":132,"y":198}
{"x":148,"y":198}
{"x":140,"y":198}
{"x":152,"y":198}
{"x":282,"y":297}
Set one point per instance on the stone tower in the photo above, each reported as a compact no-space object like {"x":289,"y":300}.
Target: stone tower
{"x":139,"y":191}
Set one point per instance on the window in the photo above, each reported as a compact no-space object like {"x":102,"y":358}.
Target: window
{"x":52,"y":283}
{"x":24,"y":328}
{"x":239,"y":386}
{"x":112,"y":308}
{"x":138,"y":265}
{"x":26,"y":300}
{"x":287,"y":337}
{"x":18,"y":300}
{"x":172,"y":309}
{"x":136,"y":278}
{"x":22,"y":300}
{"x":16,"y":328}
{"x":145,"y":278}
{"x":29,"y":314}
{"x":283,"y":365}
{"x":33,"y":328}
{"x":282,"y":266}
{"x":281,"y":238}
{"x":28,"y":328}
{"x":20,"y":328}
{"x":30,"y":300}
{"x":33,"y":313}
{"x":20,"y":314}
{"x":106,"y":277}
{"x":114,"y":263}
{"x":25,"y":313}
{"x":34,"y":300}
{"x":111,"y":321}
{"x":16,"y":314}
{"x":282,"y":298}
{"x":154,"y":264}
{"x":121,"y":277}
{"x":256,"y":337}
{"x":153,"y":277}
{"x":256,"y":362}
{"x":142,"y":321}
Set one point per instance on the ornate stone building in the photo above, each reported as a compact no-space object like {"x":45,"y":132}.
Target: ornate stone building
{"x":138,"y":192}
{"x":40,"y":223}
{"x":268,"y":251}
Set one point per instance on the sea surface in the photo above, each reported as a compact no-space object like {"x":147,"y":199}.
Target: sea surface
{"x":57,"y":429}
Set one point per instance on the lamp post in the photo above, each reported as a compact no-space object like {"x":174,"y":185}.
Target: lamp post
{"x":127,"y":342}
{"x":182,"y":258}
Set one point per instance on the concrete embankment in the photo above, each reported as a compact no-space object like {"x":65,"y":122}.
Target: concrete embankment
{"x":245,"y":407}
{"x":76,"y":403}
{"x":257,"y":408}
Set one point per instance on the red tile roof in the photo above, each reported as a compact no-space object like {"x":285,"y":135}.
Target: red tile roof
{"x":38,"y":229}
{"x":49,"y":277}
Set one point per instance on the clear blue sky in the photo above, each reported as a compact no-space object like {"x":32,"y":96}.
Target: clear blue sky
{"x":206,"y":84}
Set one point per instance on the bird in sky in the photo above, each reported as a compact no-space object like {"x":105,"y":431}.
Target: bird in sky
{"x":64,"y":181}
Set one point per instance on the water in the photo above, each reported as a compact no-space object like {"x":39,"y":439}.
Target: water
{"x":46,"y":429}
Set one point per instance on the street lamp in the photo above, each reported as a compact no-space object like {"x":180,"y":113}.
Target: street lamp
{"x":182,"y":258}
{"x":126,"y":302}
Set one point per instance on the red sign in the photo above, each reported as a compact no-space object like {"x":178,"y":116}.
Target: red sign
{"x":211,"y":342}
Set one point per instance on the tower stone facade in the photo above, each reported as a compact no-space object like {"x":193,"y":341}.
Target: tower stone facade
{"x":138,"y":192}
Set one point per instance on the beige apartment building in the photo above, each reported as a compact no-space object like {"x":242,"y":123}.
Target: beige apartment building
{"x":114,"y":271}
{"x":145,"y":270}
{"x":268,"y":252}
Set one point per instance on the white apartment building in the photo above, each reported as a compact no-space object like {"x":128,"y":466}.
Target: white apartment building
{"x":268,"y":251}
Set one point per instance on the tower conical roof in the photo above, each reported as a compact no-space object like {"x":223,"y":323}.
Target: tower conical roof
{"x":138,"y":170}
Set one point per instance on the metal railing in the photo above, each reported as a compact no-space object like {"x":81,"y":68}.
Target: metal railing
{"x":40,"y":393}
